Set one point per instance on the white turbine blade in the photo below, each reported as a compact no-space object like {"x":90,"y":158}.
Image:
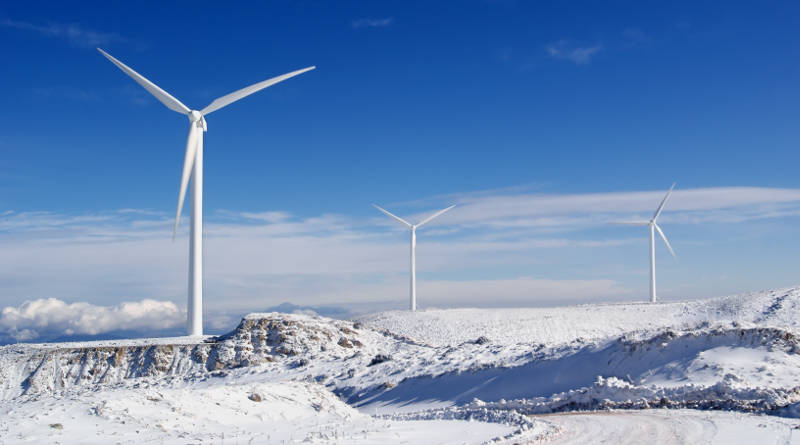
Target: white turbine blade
{"x":165,"y":98}
{"x":392,"y":216}
{"x":434,"y":215}
{"x":664,"y":237}
{"x":630,"y":223}
{"x":663,"y":201}
{"x":188,"y":163}
{"x":244,"y":92}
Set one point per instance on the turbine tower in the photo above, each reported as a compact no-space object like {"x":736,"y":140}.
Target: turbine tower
{"x":413,"y":285}
{"x":193,"y":168}
{"x":653,"y":228}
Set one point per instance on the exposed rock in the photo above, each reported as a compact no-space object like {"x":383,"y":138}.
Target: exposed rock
{"x":380,"y":358}
{"x":482,"y":340}
{"x":261,"y":339}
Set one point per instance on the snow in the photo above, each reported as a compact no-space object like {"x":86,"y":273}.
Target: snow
{"x":590,"y":322}
{"x":286,"y":412}
{"x":184,"y":340}
{"x":672,"y":427}
{"x":433,"y":376}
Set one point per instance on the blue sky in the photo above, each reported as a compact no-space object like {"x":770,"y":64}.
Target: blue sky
{"x":506,"y":108}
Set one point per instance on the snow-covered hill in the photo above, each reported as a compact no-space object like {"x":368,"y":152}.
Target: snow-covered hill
{"x":590,"y":322}
{"x":444,"y":367}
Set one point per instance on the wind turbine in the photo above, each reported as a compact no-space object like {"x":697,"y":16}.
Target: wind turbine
{"x":413,"y":227}
{"x":193,"y":167}
{"x":653,"y":228}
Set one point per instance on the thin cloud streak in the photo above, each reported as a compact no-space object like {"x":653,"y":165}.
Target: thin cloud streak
{"x":73,"y":33}
{"x":372,"y":23}
{"x":261,"y":258}
{"x":70,"y":93}
{"x":738,"y":203}
{"x":579,"y":55}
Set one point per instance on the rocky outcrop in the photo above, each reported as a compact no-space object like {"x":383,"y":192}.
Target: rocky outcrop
{"x":259,"y":339}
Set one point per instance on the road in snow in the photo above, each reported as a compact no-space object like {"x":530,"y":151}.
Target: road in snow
{"x":667,"y":427}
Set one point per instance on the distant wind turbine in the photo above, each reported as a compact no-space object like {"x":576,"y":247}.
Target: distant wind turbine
{"x":193,"y":167}
{"x":654,"y":227}
{"x":413,"y":227}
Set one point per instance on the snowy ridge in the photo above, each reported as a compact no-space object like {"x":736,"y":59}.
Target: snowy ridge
{"x":613,"y":393}
{"x":589,"y":322}
{"x":30,"y":370}
{"x":669,"y":364}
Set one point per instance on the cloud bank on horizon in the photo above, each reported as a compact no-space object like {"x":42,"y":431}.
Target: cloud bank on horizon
{"x":50,"y":318}
{"x":496,"y":247}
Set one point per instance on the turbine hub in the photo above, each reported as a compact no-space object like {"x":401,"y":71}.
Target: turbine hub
{"x":197,"y":118}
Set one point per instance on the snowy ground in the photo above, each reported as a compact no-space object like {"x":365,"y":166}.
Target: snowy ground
{"x":671,"y":427}
{"x":287,"y":412}
{"x":590,"y":322}
{"x":435,"y":376}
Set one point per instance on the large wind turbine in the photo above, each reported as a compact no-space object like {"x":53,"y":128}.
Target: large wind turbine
{"x":193,"y":167}
{"x":413,"y":286}
{"x":653,"y":228}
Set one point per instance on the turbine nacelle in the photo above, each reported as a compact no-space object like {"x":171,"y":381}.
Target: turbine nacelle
{"x":198,"y":119}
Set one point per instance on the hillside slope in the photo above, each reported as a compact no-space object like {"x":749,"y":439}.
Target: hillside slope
{"x":590,"y":322}
{"x":499,"y":366}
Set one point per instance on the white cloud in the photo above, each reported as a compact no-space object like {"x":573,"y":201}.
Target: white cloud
{"x":67,"y":92}
{"x":53,"y":317}
{"x":521,"y":291}
{"x":71,"y":32}
{"x":270,"y":217}
{"x":723,"y":204}
{"x":372,"y":23}
{"x":254,"y":260}
{"x":580,"y":55}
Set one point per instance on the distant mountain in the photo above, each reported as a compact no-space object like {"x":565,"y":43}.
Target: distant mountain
{"x":50,"y":337}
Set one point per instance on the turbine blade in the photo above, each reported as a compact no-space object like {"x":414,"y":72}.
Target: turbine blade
{"x":630,"y":223}
{"x":188,"y":163}
{"x":663,"y":201}
{"x":244,"y":92}
{"x":392,"y":216}
{"x":434,"y":215}
{"x":165,"y":98}
{"x":664,"y":237}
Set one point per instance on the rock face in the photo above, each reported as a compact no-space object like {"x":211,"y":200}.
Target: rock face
{"x":259,"y":338}
{"x":59,"y":369}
